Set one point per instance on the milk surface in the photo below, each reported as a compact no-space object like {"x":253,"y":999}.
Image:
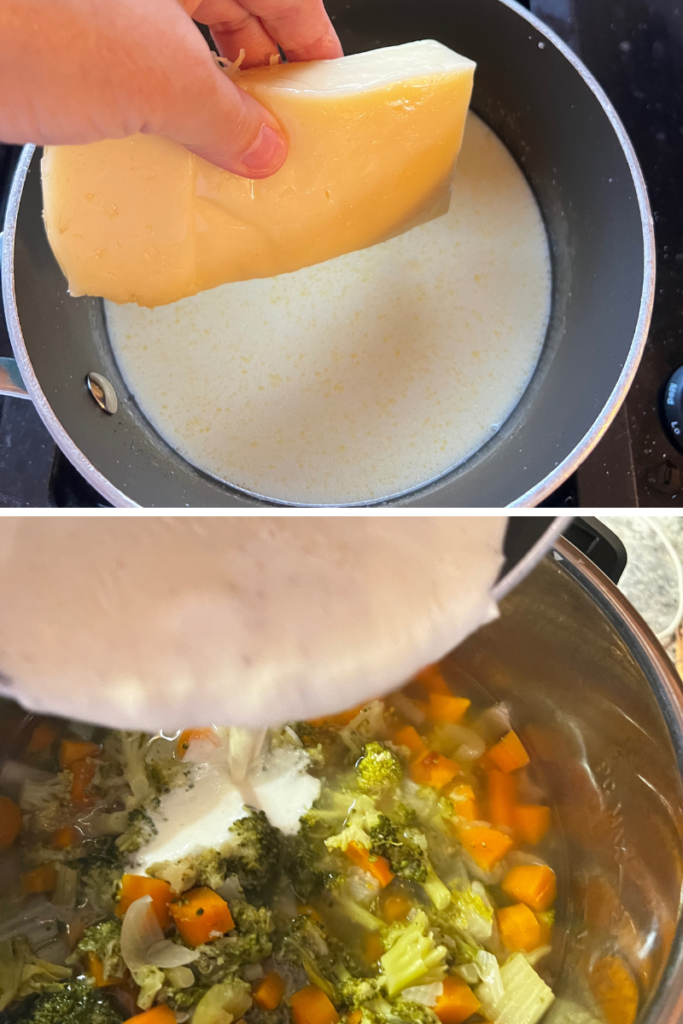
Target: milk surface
{"x":365,"y":376}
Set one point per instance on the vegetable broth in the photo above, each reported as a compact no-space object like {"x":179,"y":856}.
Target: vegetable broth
{"x":408,"y":884}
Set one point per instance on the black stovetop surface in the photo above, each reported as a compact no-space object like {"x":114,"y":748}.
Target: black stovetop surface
{"x":635,"y":50}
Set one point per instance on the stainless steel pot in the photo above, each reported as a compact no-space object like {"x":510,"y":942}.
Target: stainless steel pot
{"x":601,"y":708}
{"x":565,"y":134}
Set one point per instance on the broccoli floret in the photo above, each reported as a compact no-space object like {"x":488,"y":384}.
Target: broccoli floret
{"x":168,"y":775}
{"x":353,"y":992}
{"x":409,"y":1012}
{"x":249,"y":943}
{"x":139,"y":831}
{"x":412,"y":956}
{"x":399,"y":846}
{"x":378,"y":768}
{"x":306,"y":861}
{"x":151,"y":980}
{"x":47,"y":804}
{"x":307,"y":945}
{"x":326,"y":749}
{"x":77,"y":1003}
{"x":468,"y":916}
{"x":130,"y":748}
{"x":406,"y":848}
{"x":255,"y":851}
{"x":104,"y":940}
{"x":99,"y":873}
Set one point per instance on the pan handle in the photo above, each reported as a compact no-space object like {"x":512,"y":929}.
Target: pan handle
{"x":11,"y":383}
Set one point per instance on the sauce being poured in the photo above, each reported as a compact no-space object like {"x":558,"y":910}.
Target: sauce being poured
{"x":151,"y":623}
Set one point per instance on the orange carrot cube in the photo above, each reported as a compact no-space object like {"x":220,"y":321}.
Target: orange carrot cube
{"x":509,"y":754}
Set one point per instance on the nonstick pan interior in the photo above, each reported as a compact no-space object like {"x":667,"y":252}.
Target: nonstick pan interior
{"x":581,"y":167}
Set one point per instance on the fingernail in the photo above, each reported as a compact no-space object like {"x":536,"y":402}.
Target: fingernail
{"x":267,"y":153}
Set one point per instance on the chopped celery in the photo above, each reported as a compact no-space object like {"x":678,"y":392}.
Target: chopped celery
{"x":526,"y":997}
{"x":564,"y":1012}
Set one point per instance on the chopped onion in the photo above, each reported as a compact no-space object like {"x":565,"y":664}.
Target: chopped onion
{"x":516,"y":857}
{"x":143,"y":942}
{"x":169,"y":955}
{"x":494,"y":722}
{"x":139,"y":932}
{"x":537,"y":954}
{"x":408,"y":708}
{"x":489,"y":972}
{"x":252,"y":972}
{"x":468,"y":973}
{"x":180,"y":977}
{"x":426,"y":995}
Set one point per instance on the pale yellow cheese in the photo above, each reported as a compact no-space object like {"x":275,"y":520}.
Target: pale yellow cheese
{"x":373,"y":142}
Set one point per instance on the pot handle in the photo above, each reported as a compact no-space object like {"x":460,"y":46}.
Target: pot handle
{"x":11,"y":383}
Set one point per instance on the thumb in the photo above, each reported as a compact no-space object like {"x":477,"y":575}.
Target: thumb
{"x":223,"y":124}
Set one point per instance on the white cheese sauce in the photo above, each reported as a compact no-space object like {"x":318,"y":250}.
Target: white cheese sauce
{"x":191,"y":820}
{"x":367,"y":375}
{"x":166,"y":622}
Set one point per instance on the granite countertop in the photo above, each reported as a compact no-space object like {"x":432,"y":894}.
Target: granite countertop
{"x":649,"y":580}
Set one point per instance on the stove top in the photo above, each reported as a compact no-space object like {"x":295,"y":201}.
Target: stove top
{"x":635,"y":50}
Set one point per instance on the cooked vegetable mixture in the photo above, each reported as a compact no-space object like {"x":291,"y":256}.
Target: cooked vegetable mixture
{"x":407,"y":888}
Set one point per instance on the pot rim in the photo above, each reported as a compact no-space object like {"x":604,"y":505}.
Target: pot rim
{"x":666,"y":1003}
{"x":531,"y":497}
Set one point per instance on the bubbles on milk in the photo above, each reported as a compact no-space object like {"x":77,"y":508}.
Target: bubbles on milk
{"x":365,"y":376}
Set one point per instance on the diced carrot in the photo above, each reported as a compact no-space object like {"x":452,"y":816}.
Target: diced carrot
{"x":157,"y":1015}
{"x":446,"y":708}
{"x":96,"y":971}
{"x":485,"y":845}
{"x":68,"y":835}
{"x":83,"y":774}
{"x":42,"y":879}
{"x":502,"y":798}
{"x":188,"y":736}
{"x":378,"y":867}
{"x":310,"y":1005}
{"x":10,"y":822}
{"x":531,"y":822}
{"x":42,"y":738}
{"x":269,"y":991}
{"x":615,"y":990}
{"x":519,"y":929}
{"x":430,"y":679}
{"x":457,"y":1001}
{"x":396,"y":908}
{"x":433,"y":769}
{"x":409,"y":737}
{"x":465,"y":803}
{"x":509,"y":754}
{"x":533,"y":884}
{"x":374,"y":947}
{"x":134,"y":887}
{"x":76,"y":750}
{"x":308,"y":911}
{"x":355,"y":1017}
{"x":201,"y":915}
{"x":340,"y":720}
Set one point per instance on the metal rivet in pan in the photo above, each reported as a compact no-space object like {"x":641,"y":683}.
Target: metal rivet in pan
{"x":103,"y":392}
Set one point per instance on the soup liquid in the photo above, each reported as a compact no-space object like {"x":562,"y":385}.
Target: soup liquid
{"x":365,"y":376}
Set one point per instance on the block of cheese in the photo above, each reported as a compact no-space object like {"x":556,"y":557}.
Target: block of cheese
{"x":373,"y":141}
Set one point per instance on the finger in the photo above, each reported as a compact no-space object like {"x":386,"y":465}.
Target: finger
{"x":226,"y":126}
{"x":234,"y":28}
{"x":301,"y":27}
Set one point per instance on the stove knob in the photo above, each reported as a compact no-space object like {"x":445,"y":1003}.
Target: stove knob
{"x":673,"y":407}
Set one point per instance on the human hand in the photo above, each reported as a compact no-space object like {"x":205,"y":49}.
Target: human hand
{"x":75,"y":71}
